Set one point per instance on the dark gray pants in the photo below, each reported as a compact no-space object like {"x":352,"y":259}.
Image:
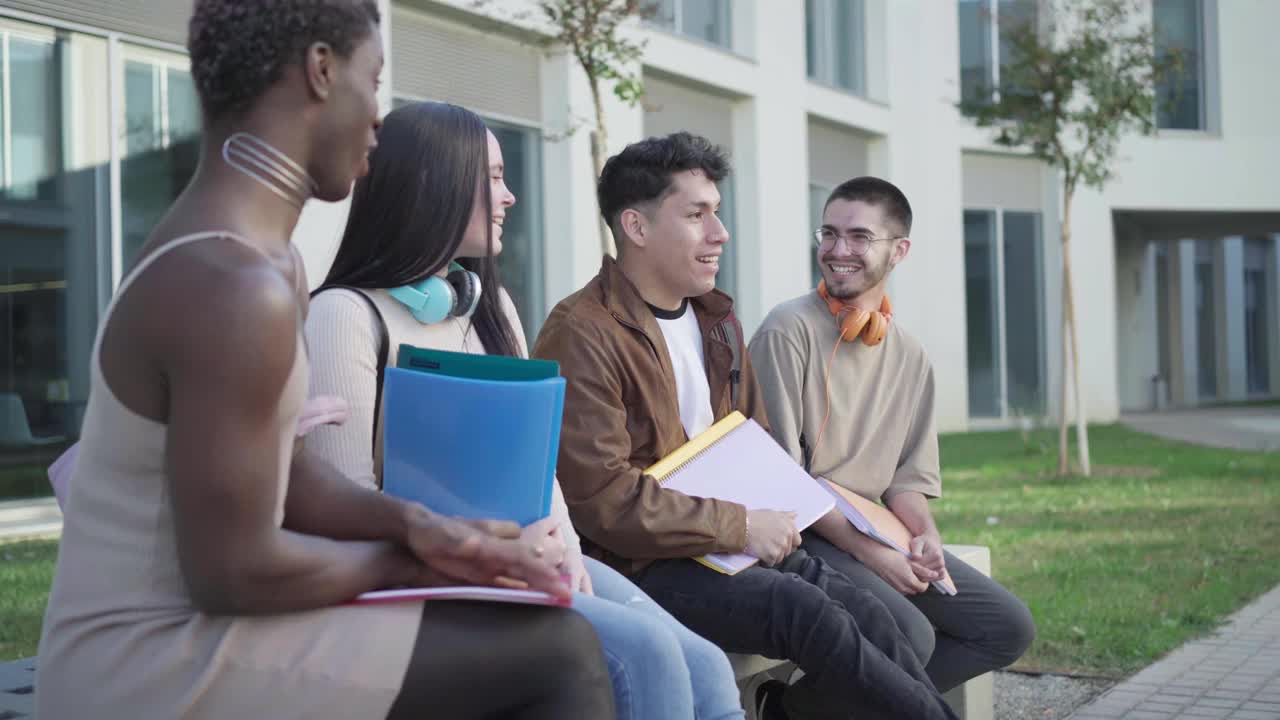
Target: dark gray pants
{"x":982,"y":627}
{"x":844,"y":639}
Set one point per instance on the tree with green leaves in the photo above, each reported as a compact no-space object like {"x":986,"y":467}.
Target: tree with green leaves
{"x":589,"y":30}
{"x":1079,"y":78}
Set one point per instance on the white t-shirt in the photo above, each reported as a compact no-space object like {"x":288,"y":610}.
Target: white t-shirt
{"x":684,"y":343}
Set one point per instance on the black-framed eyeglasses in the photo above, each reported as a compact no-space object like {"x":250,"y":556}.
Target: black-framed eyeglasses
{"x":859,"y":242}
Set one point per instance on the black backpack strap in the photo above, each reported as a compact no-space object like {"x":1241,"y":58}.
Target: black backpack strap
{"x":730,"y":331}
{"x":384,"y":348}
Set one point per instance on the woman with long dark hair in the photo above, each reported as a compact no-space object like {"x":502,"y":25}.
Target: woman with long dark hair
{"x":431,"y":211}
{"x":205,"y":560}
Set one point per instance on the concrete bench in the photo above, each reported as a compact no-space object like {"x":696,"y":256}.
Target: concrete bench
{"x":971,"y":701}
{"x":17,"y":685}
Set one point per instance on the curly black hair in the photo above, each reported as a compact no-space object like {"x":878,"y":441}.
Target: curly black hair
{"x":641,"y":173}
{"x":239,"y":48}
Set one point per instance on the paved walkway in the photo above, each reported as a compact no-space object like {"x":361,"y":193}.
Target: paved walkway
{"x":27,"y":519}
{"x":1235,"y":674}
{"x":1242,"y":428}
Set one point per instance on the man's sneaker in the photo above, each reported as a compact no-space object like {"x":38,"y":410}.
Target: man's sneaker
{"x":769,"y":700}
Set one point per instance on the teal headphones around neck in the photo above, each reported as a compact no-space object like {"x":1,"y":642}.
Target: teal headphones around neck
{"x":436,"y":298}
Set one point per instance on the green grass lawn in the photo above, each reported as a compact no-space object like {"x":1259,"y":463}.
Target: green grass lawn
{"x":25,"y":481}
{"x":1156,"y":548}
{"x":1161,"y":544}
{"x":26,"y":570}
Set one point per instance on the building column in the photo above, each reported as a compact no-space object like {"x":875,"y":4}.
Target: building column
{"x":1228,"y":270}
{"x":1184,"y":386}
{"x":770,"y":134}
{"x":1138,"y":346}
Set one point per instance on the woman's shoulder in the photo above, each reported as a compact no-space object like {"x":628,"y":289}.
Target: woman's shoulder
{"x":340,"y":302}
{"x":341,"y":311}
{"x":513,"y":319}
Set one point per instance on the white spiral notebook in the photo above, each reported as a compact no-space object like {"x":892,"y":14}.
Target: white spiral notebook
{"x":737,"y":460}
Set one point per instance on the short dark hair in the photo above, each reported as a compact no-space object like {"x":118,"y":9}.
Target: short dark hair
{"x":239,"y":49}
{"x":642,"y":172}
{"x":874,"y":191}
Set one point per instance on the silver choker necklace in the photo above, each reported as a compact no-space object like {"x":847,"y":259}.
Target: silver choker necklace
{"x":271,"y":168}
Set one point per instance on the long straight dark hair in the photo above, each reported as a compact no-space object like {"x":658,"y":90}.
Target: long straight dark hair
{"x":409,"y":213}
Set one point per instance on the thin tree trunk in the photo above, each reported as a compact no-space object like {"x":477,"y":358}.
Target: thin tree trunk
{"x":1082,"y":427}
{"x":1071,"y":342}
{"x":1063,"y":467}
{"x":599,"y":146}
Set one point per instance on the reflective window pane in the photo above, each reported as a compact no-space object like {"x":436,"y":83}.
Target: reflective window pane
{"x":976,"y":73}
{"x":663,"y":13}
{"x":521,"y":260}
{"x":54,"y":235}
{"x":1257,"y":321}
{"x":981,"y":313}
{"x":33,"y":145}
{"x":813,"y":35}
{"x":141,"y":107}
{"x":1177,"y":25}
{"x":817,"y":199}
{"x":1023,"y":313}
{"x":1013,"y":16}
{"x":835,"y":37}
{"x":161,"y":148}
{"x":727,"y":278}
{"x":183,"y":106}
{"x":706,"y":20}
{"x":847,"y":45}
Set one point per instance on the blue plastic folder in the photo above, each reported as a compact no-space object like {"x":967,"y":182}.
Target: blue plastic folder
{"x":475,"y":436}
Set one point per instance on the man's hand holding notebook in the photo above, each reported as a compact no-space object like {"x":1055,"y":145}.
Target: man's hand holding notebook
{"x":738,"y":461}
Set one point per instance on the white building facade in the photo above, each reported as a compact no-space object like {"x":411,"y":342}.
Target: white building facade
{"x":1177,"y":261}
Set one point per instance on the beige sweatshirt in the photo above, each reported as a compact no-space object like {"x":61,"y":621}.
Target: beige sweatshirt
{"x":880,"y":439}
{"x":342,"y":339}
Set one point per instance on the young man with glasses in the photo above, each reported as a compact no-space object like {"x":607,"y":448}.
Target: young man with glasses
{"x":850,"y":394}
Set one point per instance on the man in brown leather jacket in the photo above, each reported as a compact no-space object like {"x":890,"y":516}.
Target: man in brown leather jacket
{"x":652,"y":355}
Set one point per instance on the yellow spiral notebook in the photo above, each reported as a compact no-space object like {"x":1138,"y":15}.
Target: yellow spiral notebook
{"x":738,"y":461}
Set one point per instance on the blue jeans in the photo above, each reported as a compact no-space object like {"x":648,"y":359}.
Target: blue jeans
{"x":660,"y":669}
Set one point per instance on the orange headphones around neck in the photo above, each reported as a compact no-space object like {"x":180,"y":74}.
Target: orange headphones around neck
{"x":854,"y":322}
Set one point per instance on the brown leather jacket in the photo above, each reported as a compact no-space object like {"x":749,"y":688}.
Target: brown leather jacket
{"x":621,"y":415}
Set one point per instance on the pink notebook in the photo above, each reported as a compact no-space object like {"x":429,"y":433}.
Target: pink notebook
{"x":487,"y":594}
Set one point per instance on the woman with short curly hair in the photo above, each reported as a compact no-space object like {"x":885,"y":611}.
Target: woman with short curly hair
{"x":206,"y":556}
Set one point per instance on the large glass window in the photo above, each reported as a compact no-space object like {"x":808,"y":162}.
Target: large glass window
{"x":817,"y":200}
{"x":727,"y":278}
{"x":835,"y":37}
{"x":1178,"y":26}
{"x":1024,"y":312}
{"x":707,"y":20}
{"x":54,"y":242}
{"x":1004,"y":310}
{"x":521,"y":260}
{"x":982,"y":308}
{"x":984,"y":44}
{"x":161,"y":141}
{"x":1257,"y":321}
